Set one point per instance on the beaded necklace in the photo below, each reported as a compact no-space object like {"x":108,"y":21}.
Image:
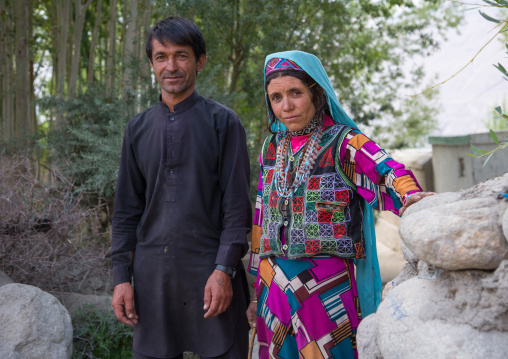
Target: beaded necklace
{"x":286,"y":179}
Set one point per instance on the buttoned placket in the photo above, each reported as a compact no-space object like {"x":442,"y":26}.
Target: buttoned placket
{"x":170,"y":154}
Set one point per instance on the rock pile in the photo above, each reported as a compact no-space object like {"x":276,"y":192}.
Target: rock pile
{"x":451,"y":298}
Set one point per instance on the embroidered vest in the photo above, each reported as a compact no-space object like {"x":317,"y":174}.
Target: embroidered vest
{"x":325,"y":214}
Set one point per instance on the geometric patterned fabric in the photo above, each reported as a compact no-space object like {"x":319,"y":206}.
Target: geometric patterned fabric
{"x":324,"y":214}
{"x":307,"y":308}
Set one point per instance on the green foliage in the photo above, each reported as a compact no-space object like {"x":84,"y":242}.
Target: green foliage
{"x":409,"y":128}
{"x":363,"y":46}
{"x":500,"y":119}
{"x":497,"y":120}
{"x":87,"y":150}
{"x":98,"y":334}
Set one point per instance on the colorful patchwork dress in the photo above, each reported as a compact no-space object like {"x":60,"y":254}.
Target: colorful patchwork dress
{"x":303,"y":247}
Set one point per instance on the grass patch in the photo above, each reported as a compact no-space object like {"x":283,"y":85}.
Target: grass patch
{"x":99,"y":335}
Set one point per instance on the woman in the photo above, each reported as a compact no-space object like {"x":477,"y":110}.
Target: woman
{"x":320,"y":178}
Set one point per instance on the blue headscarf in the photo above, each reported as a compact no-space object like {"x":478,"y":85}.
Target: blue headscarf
{"x":367,"y":270}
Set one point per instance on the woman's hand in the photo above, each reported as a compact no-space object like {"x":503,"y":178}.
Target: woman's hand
{"x":413,"y":198}
{"x":251,"y":314}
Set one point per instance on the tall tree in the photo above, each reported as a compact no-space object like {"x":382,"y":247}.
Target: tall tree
{"x":112,"y":40}
{"x":130,"y":41}
{"x":79,"y":21}
{"x":94,"y":42}
{"x":63,"y":8}
{"x":6,"y":70}
{"x":23,"y":123}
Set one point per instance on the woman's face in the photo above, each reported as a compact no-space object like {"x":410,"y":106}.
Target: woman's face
{"x":291,"y":102}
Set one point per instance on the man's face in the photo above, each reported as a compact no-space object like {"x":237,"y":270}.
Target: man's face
{"x":175,"y":67}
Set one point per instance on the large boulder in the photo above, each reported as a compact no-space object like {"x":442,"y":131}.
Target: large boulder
{"x":33,"y":324}
{"x":449,"y":315}
{"x":504,"y":224}
{"x":367,"y":338}
{"x":459,"y":235}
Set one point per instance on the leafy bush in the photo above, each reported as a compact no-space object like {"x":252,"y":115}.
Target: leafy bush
{"x":98,"y":334}
{"x":87,"y":148}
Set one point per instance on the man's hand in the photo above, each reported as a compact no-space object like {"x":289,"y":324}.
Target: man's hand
{"x":413,"y":198}
{"x":218,"y":294}
{"x":123,"y":304}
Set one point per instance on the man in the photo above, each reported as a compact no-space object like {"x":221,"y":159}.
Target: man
{"x":182,"y":212}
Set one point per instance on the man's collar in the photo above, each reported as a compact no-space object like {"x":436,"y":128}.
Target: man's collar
{"x":183,"y":105}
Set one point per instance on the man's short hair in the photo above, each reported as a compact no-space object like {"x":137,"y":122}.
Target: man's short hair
{"x":178,"y":31}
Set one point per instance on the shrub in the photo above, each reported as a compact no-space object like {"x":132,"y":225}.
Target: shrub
{"x":47,"y":238}
{"x":98,"y":334}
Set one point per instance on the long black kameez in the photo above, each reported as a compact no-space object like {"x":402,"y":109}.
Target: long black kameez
{"x":182,"y":205}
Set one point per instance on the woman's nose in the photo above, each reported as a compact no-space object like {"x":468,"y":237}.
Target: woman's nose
{"x":287,"y":104}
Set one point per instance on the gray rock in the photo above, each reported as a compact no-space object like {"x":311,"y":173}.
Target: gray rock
{"x":424,"y":318}
{"x":366,"y":339}
{"x":33,"y":324}
{"x":488,"y":189}
{"x":504,"y":224}
{"x":73,"y":301}
{"x":433,"y":201}
{"x":5,"y":279}
{"x":408,"y":271}
{"x":408,"y":255}
{"x":457,"y":236}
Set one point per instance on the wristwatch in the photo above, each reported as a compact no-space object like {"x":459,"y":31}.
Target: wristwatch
{"x":228,"y":270}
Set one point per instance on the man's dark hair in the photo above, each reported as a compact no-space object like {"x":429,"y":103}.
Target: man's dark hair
{"x":179,"y":31}
{"x":318,"y":94}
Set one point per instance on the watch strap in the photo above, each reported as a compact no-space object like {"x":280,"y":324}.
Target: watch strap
{"x":228,"y":270}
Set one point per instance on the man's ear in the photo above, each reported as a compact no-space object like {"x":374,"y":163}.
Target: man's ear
{"x":201,"y":63}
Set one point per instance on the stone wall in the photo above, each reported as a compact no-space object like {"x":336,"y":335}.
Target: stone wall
{"x":451,"y":298}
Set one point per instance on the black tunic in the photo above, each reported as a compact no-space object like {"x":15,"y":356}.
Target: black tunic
{"x":182,"y":204}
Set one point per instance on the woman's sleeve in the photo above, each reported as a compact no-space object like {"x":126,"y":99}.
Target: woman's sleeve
{"x":257,"y":228}
{"x":383,"y":182}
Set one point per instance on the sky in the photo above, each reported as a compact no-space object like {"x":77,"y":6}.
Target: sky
{"x":466,"y":100}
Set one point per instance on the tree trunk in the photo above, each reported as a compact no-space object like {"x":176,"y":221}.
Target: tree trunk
{"x":128,"y":82}
{"x":6,"y":71}
{"x":79,"y":21}
{"x":111,"y":59}
{"x":3,"y":62}
{"x":33,"y":116}
{"x":22,"y":84}
{"x":63,"y":18}
{"x":147,"y":14}
{"x":93,"y":44}
{"x":144,"y":78}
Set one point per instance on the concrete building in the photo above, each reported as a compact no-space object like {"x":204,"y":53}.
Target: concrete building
{"x":454,"y":170}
